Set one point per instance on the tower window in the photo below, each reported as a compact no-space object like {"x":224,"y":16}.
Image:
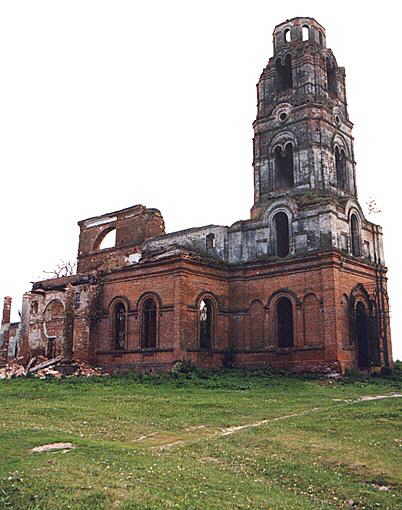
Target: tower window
{"x":340,"y":164}
{"x":305,"y":33}
{"x":284,"y":74}
{"x":206,"y":323}
{"x":284,"y":314}
{"x":355,"y":235}
{"x":287,"y":35}
{"x":284,"y":167}
{"x":149,"y":324}
{"x":320,"y":38}
{"x":331,"y":78}
{"x":281,"y":226}
{"x":119,"y":320}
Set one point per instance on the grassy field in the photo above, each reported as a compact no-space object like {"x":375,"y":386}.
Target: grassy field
{"x":198,"y":443}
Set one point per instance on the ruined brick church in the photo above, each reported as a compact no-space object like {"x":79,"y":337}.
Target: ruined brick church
{"x":301,"y":285}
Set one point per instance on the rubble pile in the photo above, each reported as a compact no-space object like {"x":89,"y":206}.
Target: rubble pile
{"x":43,"y":368}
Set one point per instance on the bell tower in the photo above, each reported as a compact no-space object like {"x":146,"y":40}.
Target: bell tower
{"x":303,"y":136}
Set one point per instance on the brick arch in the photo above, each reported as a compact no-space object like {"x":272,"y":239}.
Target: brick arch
{"x":211,"y":299}
{"x":272,"y":306}
{"x":149,"y":294}
{"x":54,"y":327}
{"x":118,"y":299}
{"x":339,"y":141}
{"x":282,"y":139}
{"x":149,"y":309}
{"x":118,"y":323}
{"x":52,"y":303}
{"x":101,"y":236}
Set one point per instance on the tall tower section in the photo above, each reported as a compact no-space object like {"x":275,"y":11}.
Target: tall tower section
{"x":303,"y":136}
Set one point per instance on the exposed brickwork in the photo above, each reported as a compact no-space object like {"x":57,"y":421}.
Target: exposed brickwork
{"x":301,"y":285}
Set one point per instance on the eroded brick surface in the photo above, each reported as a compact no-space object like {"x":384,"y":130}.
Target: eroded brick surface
{"x":300,"y":285}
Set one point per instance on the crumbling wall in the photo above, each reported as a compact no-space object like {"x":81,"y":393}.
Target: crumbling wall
{"x":132,"y":226}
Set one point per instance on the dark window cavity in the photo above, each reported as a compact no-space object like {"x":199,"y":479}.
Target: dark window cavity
{"x":281,"y":225}
{"x":284,"y":74}
{"x":355,"y":235}
{"x":331,"y":78}
{"x":340,"y":164}
{"x":120,"y":326}
{"x":206,"y":323}
{"x":149,"y":324}
{"x":284,"y":314}
{"x":284,"y":167}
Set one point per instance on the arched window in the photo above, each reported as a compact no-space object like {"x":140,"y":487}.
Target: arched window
{"x":107,"y":241}
{"x":320,"y":38}
{"x":340,"y":164}
{"x":355,"y":235}
{"x":284,"y":316}
{"x":286,"y":35}
{"x":284,"y":74}
{"x":206,"y":323}
{"x":305,"y":33}
{"x":281,"y":226}
{"x":149,"y":324}
{"x":119,"y":326}
{"x":284,"y":167}
{"x":331,"y":78}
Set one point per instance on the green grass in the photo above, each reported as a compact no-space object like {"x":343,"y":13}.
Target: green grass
{"x":156,"y":443}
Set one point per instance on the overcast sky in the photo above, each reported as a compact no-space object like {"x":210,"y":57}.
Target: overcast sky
{"x":107,"y":104}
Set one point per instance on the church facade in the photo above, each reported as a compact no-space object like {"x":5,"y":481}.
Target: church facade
{"x":301,"y":285}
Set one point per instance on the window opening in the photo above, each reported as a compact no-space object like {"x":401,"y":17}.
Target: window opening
{"x":331,"y":78}
{"x":281,"y":224}
{"x":149,"y":325}
{"x":287,"y":36}
{"x":305,"y":33}
{"x":284,"y":167}
{"x":285,"y":322}
{"x":108,"y":241}
{"x":120,"y":326}
{"x":354,"y":227}
{"x":284,"y":74}
{"x":340,"y":164}
{"x":205,"y":323}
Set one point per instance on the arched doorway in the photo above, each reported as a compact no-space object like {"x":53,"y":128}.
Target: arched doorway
{"x":362,"y":336}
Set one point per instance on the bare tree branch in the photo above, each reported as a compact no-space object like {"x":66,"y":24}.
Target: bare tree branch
{"x":62,"y":269}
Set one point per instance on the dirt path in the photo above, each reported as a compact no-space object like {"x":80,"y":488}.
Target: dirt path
{"x":233,"y":430}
